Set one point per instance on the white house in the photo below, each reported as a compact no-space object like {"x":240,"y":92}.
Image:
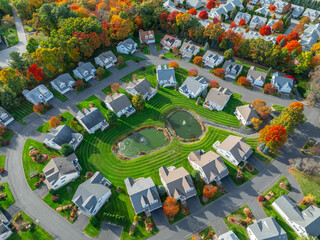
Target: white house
{"x":212,"y":59}
{"x":92,"y":194}
{"x":311,"y":13}
{"x":266,"y":2}
{"x":297,"y":10}
{"x":143,"y":87}
{"x":265,"y":11}
{"x":63,"y":84}
{"x":241,"y":15}
{"x":40,"y":94}
{"x":127,"y":46}
{"x":120,"y":104}
{"x":106,"y":59}
{"x":85,"y":71}
{"x":192,"y":87}
{"x":5,"y":117}
{"x":232,"y":69}
{"x":61,"y":170}
{"x":217,"y":98}
{"x":166,"y":76}
{"x":224,"y":9}
{"x":310,"y":36}
{"x":189,"y":49}
{"x":168,"y":42}
{"x":257,"y":22}
{"x":245,"y":113}
{"x":303,"y":223}
{"x":5,"y":231}
{"x":279,"y":6}
{"x":228,"y":235}
{"x":256,"y":77}
{"x":62,"y":135}
{"x":210,"y":165}
{"x":234,"y":149}
{"x":282,"y":84}
{"x":266,"y":229}
{"x":92,"y":120}
{"x":147,"y":36}
{"x":194,"y":3}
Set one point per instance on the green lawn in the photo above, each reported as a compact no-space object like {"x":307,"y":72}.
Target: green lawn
{"x":241,"y":232}
{"x":278,"y":107}
{"x":97,"y":103}
{"x":204,"y":232}
{"x":178,"y":217}
{"x":67,"y":118}
{"x":24,"y":109}
{"x":2,"y":161}
{"x":57,"y":94}
{"x":38,"y":233}
{"x":146,"y":50}
{"x":308,"y":183}
{"x":39,"y":37}
{"x":8,"y":29}
{"x":5,"y":204}
{"x":269,"y":210}
{"x":30,"y":167}
{"x":127,"y":57}
{"x":65,"y":196}
{"x":247,"y":66}
{"x":170,"y":55}
{"x":106,"y":74}
{"x":7,"y":136}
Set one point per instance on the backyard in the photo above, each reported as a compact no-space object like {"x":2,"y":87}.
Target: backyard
{"x":9,"y":200}
{"x":24,"y":109}
{"x":308,"y":183}
{"x":8,"y":29}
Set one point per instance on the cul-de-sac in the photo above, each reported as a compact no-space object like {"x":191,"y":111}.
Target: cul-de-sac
{"x":160,"y":119}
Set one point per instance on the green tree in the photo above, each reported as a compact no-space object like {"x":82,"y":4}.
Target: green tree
{"x":198,"y":102}
{"x":206,"y":47}
{"x":228,"y":54}
{"x":8,"y":98}
{"x":195,"y":174}
{"x":17,"y":61}
{"x":233,"y":13}
{"x":112,"y":117}
{"x":123,"y":15}
{"x":32,"y":45}
{"x":224,"y":44}
{"x":269,"y":72}
{"x":93,"y":220}
{"x":66,"y":149}
{"x":304,"y":62}
{"x":161,"y":190}
{"x":138,"y":102}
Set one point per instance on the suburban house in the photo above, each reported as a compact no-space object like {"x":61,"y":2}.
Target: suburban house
{"x":5,"y":117}
{"x":210,"y":165}
{"x":311,"y":13}
{"x":120,"y":104}
{"x":5,"y":231}
{"x":106,"y":59}
{"x":166,"y":76}
{"x":85,"y":71}
{"x":271,"y":22}
{"x":224,"y":9}
{"x":266,"y":2}
{"x":266,"y":229}
{"x":253,"y":2}
{"x":279,"y":6}
{"x":194,"y":3}
{"x":92,"y":119}
{"x":228,"y":236}
{"x":168,"y":42}
{"x":40,"y":94}
{"x":255,"y":35}
{"x":147,"y":36}
{"x":303,"y":223}
{"x":127,"y":46}
{"x":143,"y":194}
{"x":245,"y":113}
{"x":63,"y":84}
{"x":143,"y":87}
{"x":177,"y":182}
{"x":231,"y":69}
{"x":310,"y":36}
{"x":234,"y":149}
{"x":256,"y":77}
{"x":297,"y":10}
{"x":61,"y":170}
{"x":217,"y":98}
{"x":257,"y":22}
{"x":192,"y":87}
{"x":265,"y":11}
{"x":92,"y":194}
{"x":61,"y":135}
{"x":212,"y":59}
{"x":189,"y":49}
{"x":282,"y":84}
{"x":241,"y":15}
{"x":170,"y":6}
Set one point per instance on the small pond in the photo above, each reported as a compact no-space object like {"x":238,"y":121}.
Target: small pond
{"x":185,"y":125}
{"x":144,"y":140}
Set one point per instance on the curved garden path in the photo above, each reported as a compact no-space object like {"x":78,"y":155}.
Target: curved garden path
{"x":209,"y":215}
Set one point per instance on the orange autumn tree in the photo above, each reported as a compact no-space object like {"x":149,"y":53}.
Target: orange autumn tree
{"x":264,"y":112}
{"x":258,"y":103}
{"x":192,"y":11}
{"x":170,"y":207}
{"x":299,"y":28}
{"x":278,"y":26}
{"x":214,"y":84}
{"x":219,"y":72}
{"x":174,"y":65}
{"x":256,"y":123}
{"x":115,"y":87}
{"x":296,"y":106}
{"x":315,"y":60}
{"x":273,"y":136}
{"x":38,"y":108}
{"x":54,"y":122}
{"x":294,"y":44}
{"x":269,"y":88}
{"x":305,"y":20}
{"x":197,"y":60}
{"x":2,"y":131}
{"x":233,"y":25}
{"x":272,"y":8}
{"x":209,"y":190}
{"x":193,"y":72}
{"x":243,"y":81}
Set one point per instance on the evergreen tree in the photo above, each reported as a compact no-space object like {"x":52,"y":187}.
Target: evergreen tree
{"x":228,"y":54}
{"x":269,"y":72}
{"x":233,"y":13}
{"x":206,"y":47}
{"x":198,"y":101}
{"x":17,"y":61}
{"x":282,"y":42}
{"x":262,"y":146}
{"x":176,"y":87}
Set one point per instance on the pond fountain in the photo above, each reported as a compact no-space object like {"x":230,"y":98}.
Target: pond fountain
{"x":142,"y":141}
{"x":185,"y":125}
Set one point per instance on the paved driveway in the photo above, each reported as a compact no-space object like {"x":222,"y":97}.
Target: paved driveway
{"x":256,"y":163}
{"x":194,"y":204}
{"x":110,"y":232}
{"x":160,"y":219}
{"x":228,"y":184}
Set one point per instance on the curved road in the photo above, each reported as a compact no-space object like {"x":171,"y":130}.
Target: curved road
{"x":211,"y":214}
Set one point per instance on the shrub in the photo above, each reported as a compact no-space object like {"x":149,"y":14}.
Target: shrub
{"x":66,"y":149}
{"x":93,"y":220}
{"x":214,"y":84}
{"x":243,"y":81}
{"x":193,"y":72}
{"x":260,"y":198}
{"x":195,"y":174}
{"x":174,"y":65}
{"x":161,"y":190}
{"x":219,"y":72}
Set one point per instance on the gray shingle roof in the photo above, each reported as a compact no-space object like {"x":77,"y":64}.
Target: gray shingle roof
{"x":107,"y":55}
{"x":255,"y":74}
{"x":128,"y":43}
{"x":142,"y":86}
{"x":62,"y":134}
{"x":282,"y":81}
{"x":228,"y":66}
{"x":268,"y":229}
{"x":118,"y":101}
{"x":4,"y":116}
{"x":193,"y":84}
{"x":247,"y":112}
{"x":219,"y":95}
{"x":91,"y":118}
{"x":143,"y":191}
{"x":63,"y":81}
{"x":85,"y":67}
{"x":165,"y":73}
{"x":228,"y":236}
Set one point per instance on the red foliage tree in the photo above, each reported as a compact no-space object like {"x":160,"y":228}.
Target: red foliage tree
{"x":242,"y":22}
{"x":163,"y":17}
{"x":54,"y":122}
{"x":214,"y":84}
{"x":293,"y":36}
{"x":172,"y":16}
{"x":170,"y":207}
{"x":38,"y":108}
{"x":219,"y":72}
{"x":280,"y":37}
{"x":174,"y":65}
{"x":292,"y":45}
{"x":79,"y":84}
{"x":243,"y":81}
{"x":269,"y":88}
{"x":291,"y":77}
{"x":3,"y":130}
{"x":36,"y":72}
{"x":192,"y":11}
{"x":260,"y":198}
{"x":211,"y":4}
{"x":265,"y":31}
{"x":272,"y":7}
{"x":233,"y":25}
{"x":216,"y":20}
{"x":193,"y":72}
{"x":273,"y":136}
{"x":203,"y":14}
{"x":115,"y":87}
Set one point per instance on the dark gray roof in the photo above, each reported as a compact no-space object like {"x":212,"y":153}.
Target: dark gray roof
{"x":4,"y":116}
{"x":91,"y":118}
{"x":255,"y":74}
{"x":62,"y":134}
{"x":309,"y":218}
{"x":268,"y":229}
{"x":85,"y":67}
{"x":3,"y":229}
{"x":211,"y":55}
{"x":142,"y":86}
{"x":63,"y":79}
{"x":89,"y":192}
{"x":193,"y":83}
{"x":229,"y":66}
{"x":165,"y":73}
{"x":128,"y":43}
{"x":228,"y":236}
{"x":143,"y":191}
{"x":106,"y":55}
{"x":282,"y":81}
{"x":118,"y":101}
